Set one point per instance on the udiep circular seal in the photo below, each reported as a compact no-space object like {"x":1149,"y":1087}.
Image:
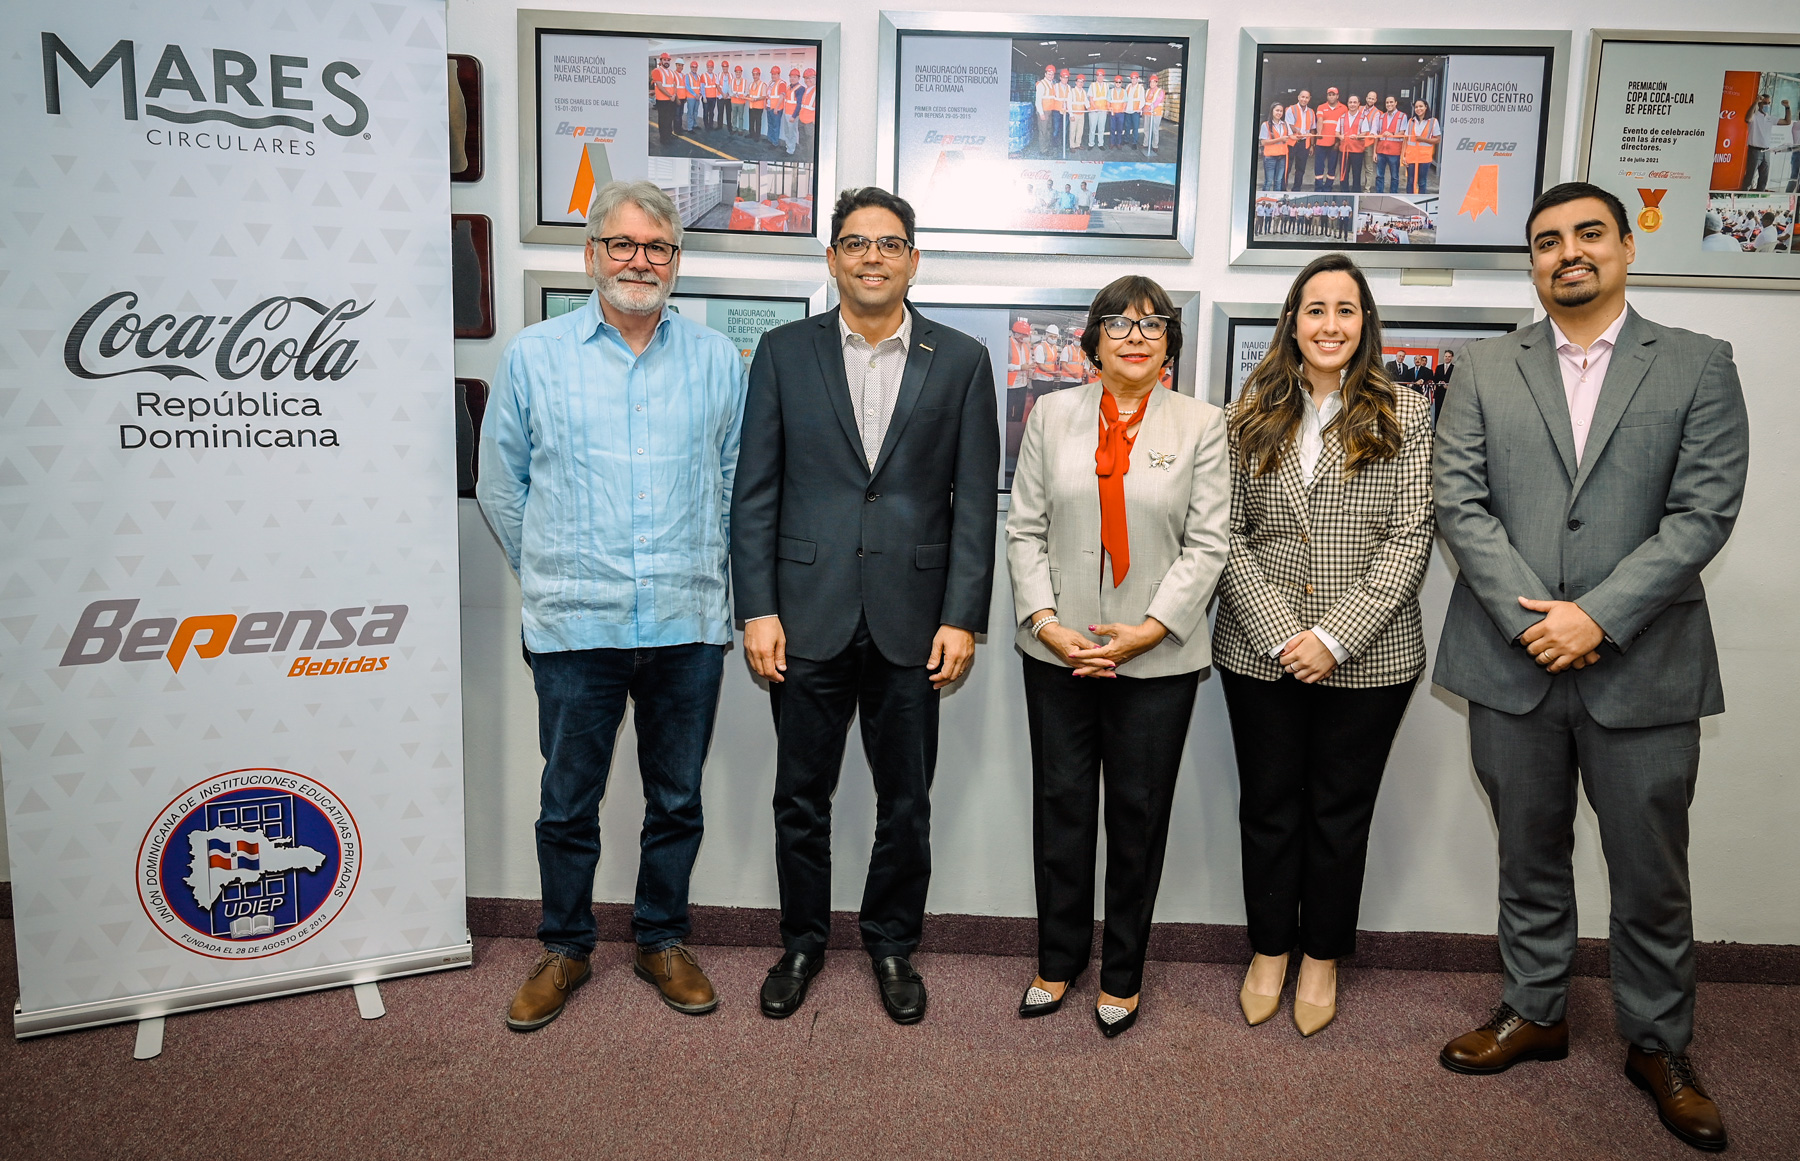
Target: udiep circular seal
{"x":249,"y":863}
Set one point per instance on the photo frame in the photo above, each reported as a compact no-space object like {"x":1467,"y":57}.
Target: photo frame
{"x":466,"y":112}
{"x":994,"y":314}
{"x":740,"y":308}
{"x":472,"y":275}
{"x":1698,"y":134}
{"x":601,"y":98}
{"x":1414,"y":339}
{"x":1469,"y":163}
{"x":966,"y":133}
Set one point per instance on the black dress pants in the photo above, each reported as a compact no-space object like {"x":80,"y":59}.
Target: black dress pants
{"x":1310,"y":760}
{"x":813,"y":708}
{"x":1129,"y":732}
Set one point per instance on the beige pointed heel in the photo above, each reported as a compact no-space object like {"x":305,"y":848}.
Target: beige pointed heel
{"x":1311,"y":1018}
{"x":1257,"y":1007}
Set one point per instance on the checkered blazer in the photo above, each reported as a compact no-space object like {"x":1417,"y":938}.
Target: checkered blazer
{"x":1347,"y":555}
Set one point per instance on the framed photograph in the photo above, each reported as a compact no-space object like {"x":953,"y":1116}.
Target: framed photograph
{"x":1404,"y":147}
{"x":1419,"y":345}
{"x":471,"y":405}
{"x":1034,"y":339}
{"x":735,"y":119}
{"x":472,"y":275}
{"x":1043,"y":134}
{"x":1698,"y":133}
{"x":465,"y":118}
{"x":739,"y":308}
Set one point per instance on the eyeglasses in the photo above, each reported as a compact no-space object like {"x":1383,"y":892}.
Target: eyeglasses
{"x":1151,"y":326}
{"x":855,"y":245}
{"x":624,"y":250}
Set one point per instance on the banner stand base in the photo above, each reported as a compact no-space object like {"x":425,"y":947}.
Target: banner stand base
{"x":368,"y":1001}
{"x":149,"y":1039}
{"x":159,"y":1004}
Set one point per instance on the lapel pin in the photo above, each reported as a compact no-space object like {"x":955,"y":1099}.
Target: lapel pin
{"x":928,"y":348}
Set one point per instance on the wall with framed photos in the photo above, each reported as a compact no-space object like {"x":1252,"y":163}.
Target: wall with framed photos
{"x":1432,"y":855}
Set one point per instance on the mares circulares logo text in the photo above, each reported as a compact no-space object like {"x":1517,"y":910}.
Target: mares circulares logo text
{"x":107,"y":631}
{"x":271,"y":339}
{"x":236,"y":80}
{"x":1496,"y":148}
{"x":249,"y":863}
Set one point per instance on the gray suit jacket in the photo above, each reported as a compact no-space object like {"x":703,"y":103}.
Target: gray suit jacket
{"x":1624,"y":534}
{"x":1177,"y":512}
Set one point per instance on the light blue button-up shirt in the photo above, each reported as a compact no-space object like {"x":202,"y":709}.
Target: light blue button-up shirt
{"x":607,"y":477}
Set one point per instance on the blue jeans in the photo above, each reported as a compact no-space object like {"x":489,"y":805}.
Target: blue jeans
{"x":1274,"y":172}
{"x":1387,"y":173}
{"x":581,"y":701}
{"x":774,"y":125}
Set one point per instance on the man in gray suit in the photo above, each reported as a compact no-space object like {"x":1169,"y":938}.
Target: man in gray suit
{"x":1587,"y":468}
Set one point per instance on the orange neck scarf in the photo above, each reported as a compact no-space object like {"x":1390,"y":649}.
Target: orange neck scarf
{"x":1112,"y":459}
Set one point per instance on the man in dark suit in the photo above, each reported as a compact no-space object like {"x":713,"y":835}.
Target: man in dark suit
{"x":862,"y":560}
{"x":1587,"y":468}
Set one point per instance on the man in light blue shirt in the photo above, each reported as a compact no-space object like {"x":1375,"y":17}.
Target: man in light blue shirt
{"x":607,"y":457}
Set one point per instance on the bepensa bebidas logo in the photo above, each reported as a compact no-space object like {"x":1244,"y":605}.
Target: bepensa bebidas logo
{"x":249,"y":863}
{"x":109,"y":630}
{"x":262,"y":91}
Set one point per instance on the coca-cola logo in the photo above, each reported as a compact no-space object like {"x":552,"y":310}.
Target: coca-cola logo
{"x":267,"y":340}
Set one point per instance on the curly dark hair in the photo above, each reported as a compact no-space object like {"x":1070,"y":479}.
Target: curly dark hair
{"x":1120,"y":295}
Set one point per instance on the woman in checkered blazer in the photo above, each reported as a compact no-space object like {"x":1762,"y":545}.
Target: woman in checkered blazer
{"x":1318,"y":643}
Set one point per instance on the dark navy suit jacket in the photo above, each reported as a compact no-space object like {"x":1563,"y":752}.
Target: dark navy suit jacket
{"x":820,"y":539}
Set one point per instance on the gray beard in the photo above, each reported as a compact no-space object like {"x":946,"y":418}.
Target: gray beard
{"x":625,"y":296}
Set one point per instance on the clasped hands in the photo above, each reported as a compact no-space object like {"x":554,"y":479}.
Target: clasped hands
{"x":1566,"y":637}
{"x":1122,"y":643}
{"x":765,"y":644}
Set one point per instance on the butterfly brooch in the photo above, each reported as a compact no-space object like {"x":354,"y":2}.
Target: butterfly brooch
{"x":1162,"y":460}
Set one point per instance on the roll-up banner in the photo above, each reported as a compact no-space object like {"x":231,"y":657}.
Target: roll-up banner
{"x":230,"y":678}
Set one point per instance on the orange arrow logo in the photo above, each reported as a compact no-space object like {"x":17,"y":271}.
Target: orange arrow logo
{"x":1484,"y":192}
{"x":583,"y":192}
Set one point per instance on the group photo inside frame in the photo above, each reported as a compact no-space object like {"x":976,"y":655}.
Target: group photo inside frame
{"x":1406,"y":147}
{"x":1037,"y":134}
{"x":1419,"y":344}
{"x":741,"y":309}
{"x":734,"y":119}
{"x":1698,"y":133}
{"x":1033,"y":339}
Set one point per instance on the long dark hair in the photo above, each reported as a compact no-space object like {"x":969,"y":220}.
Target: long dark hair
{"x":1267,"y":418}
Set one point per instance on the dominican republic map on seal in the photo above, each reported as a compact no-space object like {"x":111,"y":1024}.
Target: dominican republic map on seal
{"x":249,"y":863}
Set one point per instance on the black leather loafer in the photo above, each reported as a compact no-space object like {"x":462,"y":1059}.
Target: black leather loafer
{"x":902,"y":989}
{"x":785,"y":988}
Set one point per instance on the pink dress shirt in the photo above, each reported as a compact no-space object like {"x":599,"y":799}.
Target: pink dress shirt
{"x":1583,"y":374}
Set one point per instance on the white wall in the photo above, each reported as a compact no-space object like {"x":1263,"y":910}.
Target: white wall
{"x":1431,"y":864}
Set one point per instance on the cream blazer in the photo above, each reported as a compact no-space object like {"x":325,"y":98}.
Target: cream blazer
{"x":1178,"y":514}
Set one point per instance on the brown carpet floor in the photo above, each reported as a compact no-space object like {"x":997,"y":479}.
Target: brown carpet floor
{"x":620,"y":1075}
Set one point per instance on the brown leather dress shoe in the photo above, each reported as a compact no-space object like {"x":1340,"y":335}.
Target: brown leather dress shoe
{"x":675,"y":973}
{"x":541,"y":997}
{"x":1502,"y":1042}
{"x":1682,"y":1104}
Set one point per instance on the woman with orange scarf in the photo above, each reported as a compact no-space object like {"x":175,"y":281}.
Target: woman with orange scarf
{"x":1116,"y":536}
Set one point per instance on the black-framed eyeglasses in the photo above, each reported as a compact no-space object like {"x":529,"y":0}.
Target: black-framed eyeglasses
{"x":889,"y":245}
{"x":624,"y":250}
{"x":1151,"y":326}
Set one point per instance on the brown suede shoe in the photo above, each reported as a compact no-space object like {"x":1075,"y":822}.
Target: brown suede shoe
{"x":1502,"y":1042}
{"x":676,"y":974}
{"x":1683,"y":1105}
{"x":541,"y":997}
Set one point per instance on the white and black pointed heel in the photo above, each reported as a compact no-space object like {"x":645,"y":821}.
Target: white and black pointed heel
{"x":1037,"y":1002}
{"x":1114,"y":1020}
